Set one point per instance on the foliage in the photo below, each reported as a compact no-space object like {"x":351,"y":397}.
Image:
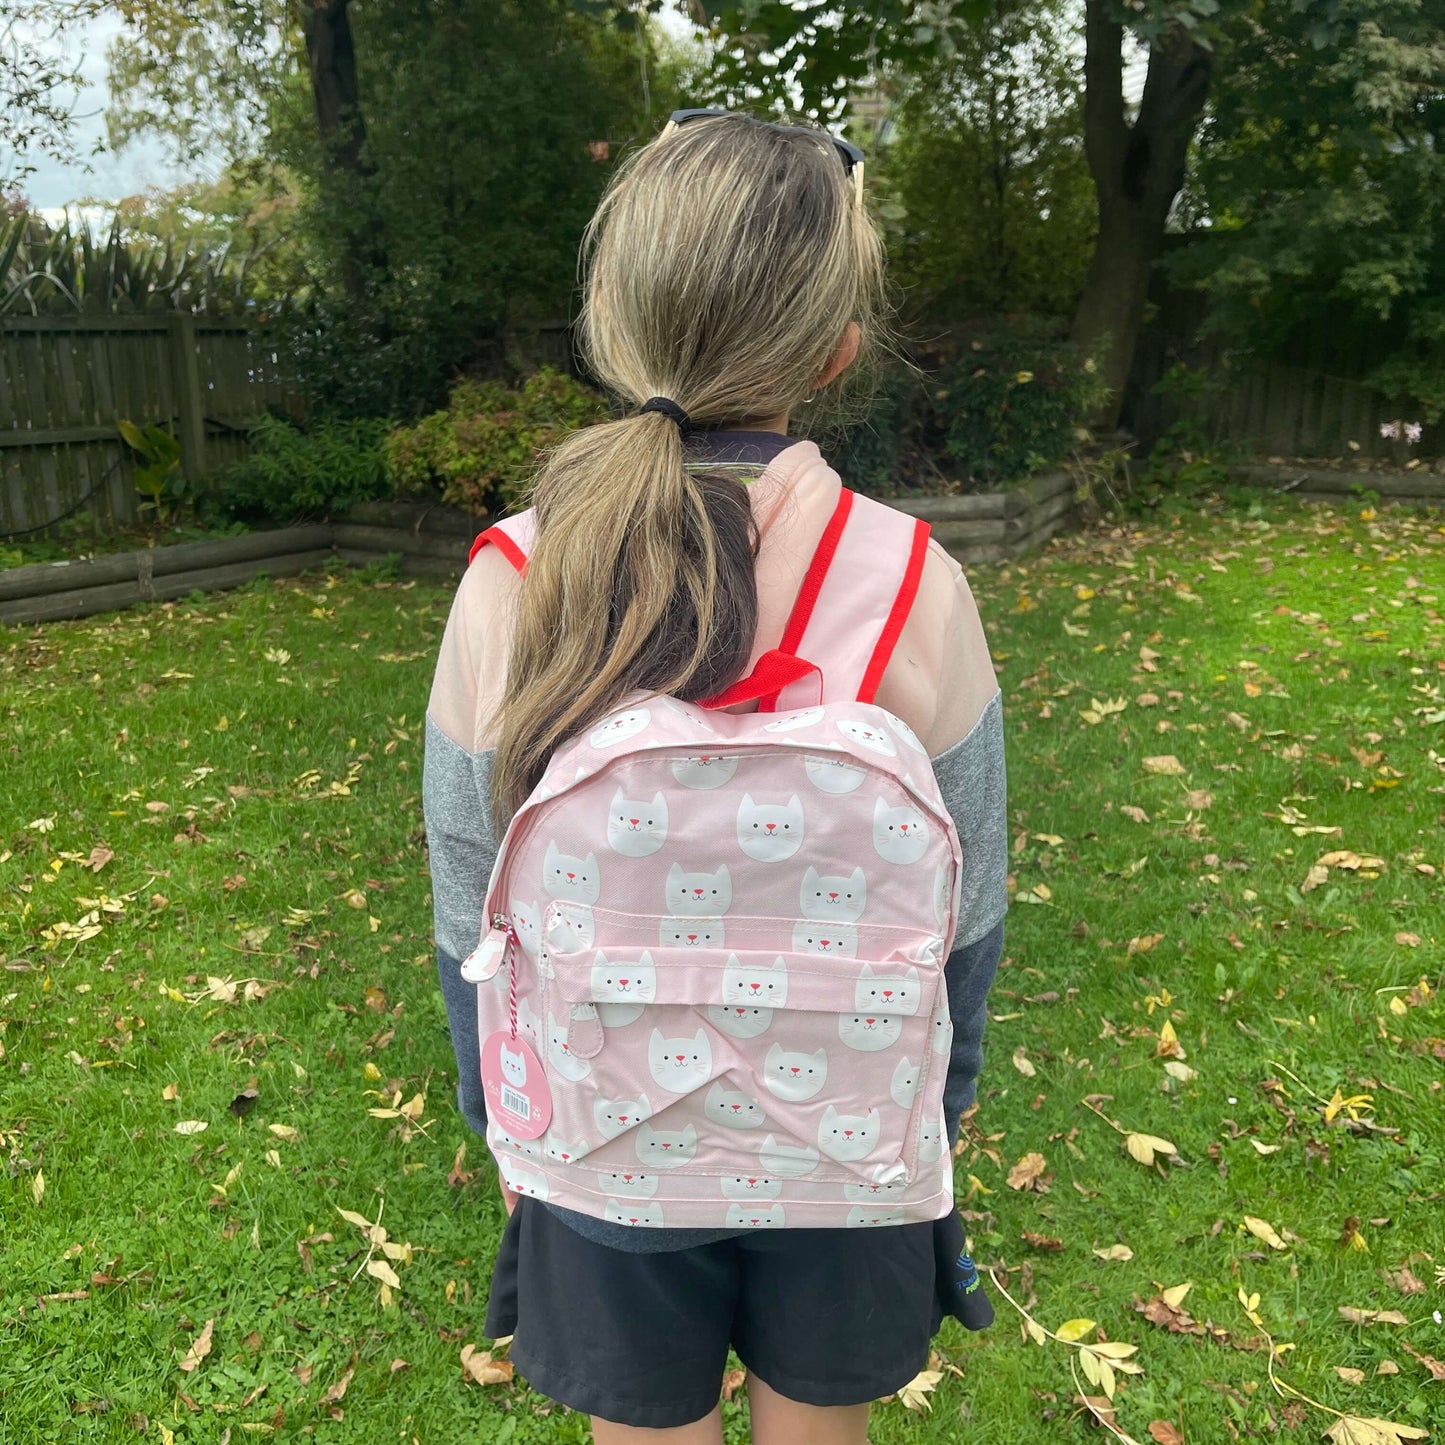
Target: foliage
{"x":1322,"y":169}
{"x":68,"y":270}
{"x":976,"y":413}
{"x":295,"y":473}
{"x":482,"y":448}
{"x":985,"y":193}
{"x":491,"y":127}
{"x":160,"y":481}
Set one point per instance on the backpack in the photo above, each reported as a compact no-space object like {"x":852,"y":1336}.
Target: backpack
{"x":712,"y":990}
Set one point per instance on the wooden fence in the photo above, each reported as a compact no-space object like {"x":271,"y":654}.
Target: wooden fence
{"x":66,"y":382}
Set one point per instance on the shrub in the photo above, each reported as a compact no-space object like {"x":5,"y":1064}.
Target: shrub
{"x":482,"y":449}
{"x":295,"y":473}
{"x":1013,"y":403}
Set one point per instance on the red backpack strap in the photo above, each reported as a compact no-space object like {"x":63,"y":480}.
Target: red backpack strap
{"x":512,"y":537}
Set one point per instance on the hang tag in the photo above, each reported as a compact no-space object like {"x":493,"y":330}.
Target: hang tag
{"x":518,"y":1099}
{"x":485,"y":959}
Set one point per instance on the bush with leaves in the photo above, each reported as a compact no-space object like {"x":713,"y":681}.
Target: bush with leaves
{"x":296,"y":473}
{"x":481,"y":450}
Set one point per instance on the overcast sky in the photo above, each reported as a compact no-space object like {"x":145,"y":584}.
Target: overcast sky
{"x":105,"y":176}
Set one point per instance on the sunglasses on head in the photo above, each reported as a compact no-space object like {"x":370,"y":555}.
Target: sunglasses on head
{"x":852,"y":156}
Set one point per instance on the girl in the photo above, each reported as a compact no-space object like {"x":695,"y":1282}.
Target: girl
{"x":732,"y":272}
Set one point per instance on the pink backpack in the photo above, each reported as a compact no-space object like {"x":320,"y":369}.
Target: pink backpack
{"x":712,"y":993}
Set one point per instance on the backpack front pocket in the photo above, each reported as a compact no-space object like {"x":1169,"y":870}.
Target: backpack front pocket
{"x":719,"y":1053}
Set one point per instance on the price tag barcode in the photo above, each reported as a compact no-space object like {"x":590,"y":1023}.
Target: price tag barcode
{"x":519,"y":1104}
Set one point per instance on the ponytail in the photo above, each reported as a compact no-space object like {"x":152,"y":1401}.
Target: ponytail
{"x":641,"y":580}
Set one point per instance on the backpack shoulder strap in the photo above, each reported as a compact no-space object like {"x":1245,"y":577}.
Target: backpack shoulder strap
{"x":855,"y":599}
{"x":512,"y":537}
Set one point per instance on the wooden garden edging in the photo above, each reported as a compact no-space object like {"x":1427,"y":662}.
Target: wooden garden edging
{"x":434,"y":539}
{"x":430,"y":539}
{"x":997,"y":526}
{"x":1326,"y":484}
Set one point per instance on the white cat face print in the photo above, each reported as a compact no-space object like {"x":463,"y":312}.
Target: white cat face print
{"x":680,"y":1065}
{"x":527,"y":921}
{"x":790,"y":722}
{"x":698,"y":895}
{"x":835,"y":899}
{"x":930,"y":1141}
{"x":904,"y":1084}
{"x":616,"y":1116}
{"x":630,"y":1186}
{"x":873,"y":1193}
{"x":666,"y":1149}
{"x":560,"y":1056}
{"x":733,"y":1109}
{"x":900,"y":729}
{"x":642,"y":1213}
{"x":792,"y":1161}
{"x":755,"y":1216}
{"x":636,"y":829}
{"x":514,"y":1067}
{"x":704,"y":772}
{"x":570,"y":928}
{"x":868,"y":735}
{"x":834,"y":775}
{"x":795,"y":1077}
{"x":862,"y":1216}
{"x":755,"y":983}
{"x":847,"y":1138}
{"x":619,"y":1015}
{"x":836,"y":940}
{"x":770,"y":832}
{"x":575,"y":879}
{"x":888,"y":991}
{"x":756,"y":1186}
{"x":559,"y":1151}
{"x":868,"y":1033}
{"x":523,"y":1181}
{"x":690,"y":933}
{"x":624,"y":982}
{"x":619,"y":728}
{"x":900,"y":835}
{"x":740,"y":1022}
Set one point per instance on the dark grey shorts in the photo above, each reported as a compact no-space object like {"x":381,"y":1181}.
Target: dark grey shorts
{"x":824,"y":1316}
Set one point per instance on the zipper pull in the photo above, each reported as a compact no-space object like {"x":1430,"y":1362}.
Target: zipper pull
{"x":489,"y":955}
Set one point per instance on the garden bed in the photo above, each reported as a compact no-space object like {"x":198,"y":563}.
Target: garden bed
{"x":997,"y":526}
{"x":1316,"y":482}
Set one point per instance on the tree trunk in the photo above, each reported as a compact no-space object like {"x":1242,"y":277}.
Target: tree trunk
{"x":331,"y":58}
{"x":1137,"y":170}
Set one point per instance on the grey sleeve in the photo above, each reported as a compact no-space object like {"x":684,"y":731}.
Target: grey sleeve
{"x":972,"y":777}
{"x":462,"y":847}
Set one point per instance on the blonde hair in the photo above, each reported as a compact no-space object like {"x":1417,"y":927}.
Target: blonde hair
{"x":722,"y":268}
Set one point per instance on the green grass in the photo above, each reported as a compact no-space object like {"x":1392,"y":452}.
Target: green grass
{"x":1293,"y":647}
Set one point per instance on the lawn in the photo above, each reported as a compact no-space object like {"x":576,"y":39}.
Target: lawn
{"x":220,"y":1026}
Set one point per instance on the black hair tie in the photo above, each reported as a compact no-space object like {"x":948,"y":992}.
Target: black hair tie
{"x":668,"y":408}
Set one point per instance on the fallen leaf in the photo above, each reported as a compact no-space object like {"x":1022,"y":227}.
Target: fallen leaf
{"x":241,"y":1105}
{"x":1144,"y":1147}
{"x":1409,"y":940}
{"x":1263,"y":1230}
{"x":1435,"y":1367}
{"x":1199,"y":798}
{"x":732,"y":1382}
{"x":1028,"y":1173}
{"x":1262,"y":1148}
{"x":1046,"y":1242}
{"x":1350,"y":1375}
{"x":200,"y":1347}
{"x":335,"y":1391}
{"x":37,"y":1186}
{"x":100,"y":855}
{"x":1137,"y":814}
{"x":1168,"y":1046}
{"x":355,"y":898}
{"x":282,"y":1131}
{"x":1314,"y":878}
{"x":1404,"y":1279}
{"x":1167,"y":765}
{"x":1102,"y":1409}
{"x":1183,"y":1073}
{"x":1165,"y":1432}
{"x":1387,"y":1367}
{"x":1146,"y":943}
{"x":1372,"y":1317}
{"x":1022,"y":1064}
{"x":170,"y":1093}
{"x":1362,"y":1430}
{"x":481,"y":1367}
{"x":1120,"y":1252}
{"x":914,"y":1395}
{"x":380,"y":1269}
{"x":1175,"y":1296}
{"x":1072,"y":1331}
{"x":192,"y":1126}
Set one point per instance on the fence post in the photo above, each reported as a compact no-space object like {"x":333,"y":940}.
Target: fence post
{"x":186,"y":375}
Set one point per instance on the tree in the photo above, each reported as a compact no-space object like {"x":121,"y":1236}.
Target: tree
{"x":39,"y":81}
{"x":817,"y":50}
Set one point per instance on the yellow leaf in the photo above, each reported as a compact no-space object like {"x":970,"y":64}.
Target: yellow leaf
{"x":1182,"y":1072}
{"x":1052,"y":839}
{"x":1369,"y":1430}
{"x":1168,"y":765}
{"x":283,"y":1131}
{"x":1263,"y":1230}
{"x":192,"y":1126}
{"x":914,"y":1395}
{"x":380,"y":1269}
{"x":200,"y":1347}
{"x":352,"y":1217}
{"x":1144,"y":1147}
{"x":1120,"y":1252}
{"x":37,"y":1186}
{"x":1260,"y":1148}
{"x":481,"y":1367}
{"x":1022,"y":1064}
{"x":1035,"y":1332}
{"x":167,"y":1437}
{"x":1146,"y":943}
{"x":1071,"y":1331}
